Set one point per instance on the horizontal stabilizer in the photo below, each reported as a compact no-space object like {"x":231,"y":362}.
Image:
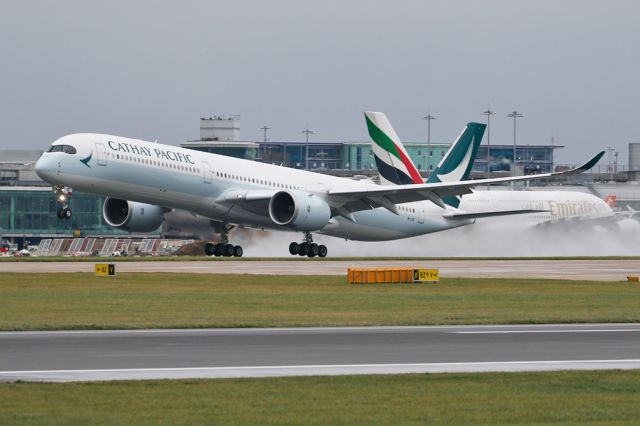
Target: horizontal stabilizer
{"x":459,"y":216}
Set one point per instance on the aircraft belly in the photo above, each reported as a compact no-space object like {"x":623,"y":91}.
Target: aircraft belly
{"x":140,"y":192}
{"x":382,"y":225}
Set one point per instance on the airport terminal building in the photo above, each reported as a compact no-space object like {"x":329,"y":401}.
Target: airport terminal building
{"x":221,"y":135}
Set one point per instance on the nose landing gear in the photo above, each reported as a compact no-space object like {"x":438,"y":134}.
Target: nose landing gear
{"x":223,"y":248}
{"x":62,"y":196}
{"x":64,"y":212}
{"x":307,"y":247}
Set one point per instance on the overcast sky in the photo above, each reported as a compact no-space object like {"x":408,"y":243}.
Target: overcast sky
{"x":150,"y":69}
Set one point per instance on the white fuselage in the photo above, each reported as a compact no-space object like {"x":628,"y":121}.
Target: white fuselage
{"x":205,"y":184}
{"x":557,"y":205}
{"x":201,"y":183}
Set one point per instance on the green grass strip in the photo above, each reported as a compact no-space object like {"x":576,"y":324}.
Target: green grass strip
{"x":55,"y":301}
{"x":580,"y":398}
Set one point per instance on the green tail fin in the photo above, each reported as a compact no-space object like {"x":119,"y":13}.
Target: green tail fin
{"x":457,"y":163}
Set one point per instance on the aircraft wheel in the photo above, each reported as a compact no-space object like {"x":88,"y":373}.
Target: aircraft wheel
{"x":218,"y":249}
{"x":293,"y":248}
{"x":209,"y":249}
{"x":228,"y":250}
{"x":303,"y":249}
{"x":313,"y":250}
{"x":64,"y":213}
{"x":322,"y":250}
{"x":237,"y":251}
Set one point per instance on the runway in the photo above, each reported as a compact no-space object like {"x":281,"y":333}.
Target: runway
{"x":600,"y":270}
{"x":218,"y":353}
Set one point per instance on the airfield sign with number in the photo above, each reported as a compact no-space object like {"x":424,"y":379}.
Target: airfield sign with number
{"x":426,"y":275}
{"x":105,"y":269}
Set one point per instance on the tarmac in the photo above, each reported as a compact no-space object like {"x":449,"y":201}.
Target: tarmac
{"x":219,"y":353}
{"x":598,"y":270}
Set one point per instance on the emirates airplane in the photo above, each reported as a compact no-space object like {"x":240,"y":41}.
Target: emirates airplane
{"x":144,"y":180}
{"x":538,"y":207}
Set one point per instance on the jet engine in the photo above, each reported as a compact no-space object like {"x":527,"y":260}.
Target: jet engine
{"x":132,"y":216}
{"x":299,"y":210}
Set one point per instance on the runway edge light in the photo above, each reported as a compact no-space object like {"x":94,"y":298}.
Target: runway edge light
{"x":105,"y":270}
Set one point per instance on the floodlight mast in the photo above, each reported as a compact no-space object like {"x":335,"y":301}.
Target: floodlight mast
{"x":307,"y":132}
{"x":489,"y":113}
{"x":428,"y":119}
{"x":515,"y":115}
{"x":265,"y":128}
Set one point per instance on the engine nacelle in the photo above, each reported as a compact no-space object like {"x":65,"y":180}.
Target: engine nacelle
{"x":132,"y":216}
{"x":299,"y":210}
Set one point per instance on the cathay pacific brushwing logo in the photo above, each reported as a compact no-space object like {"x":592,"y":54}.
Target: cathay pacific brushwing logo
{"x":86,"y":160}
{"x":456,"y":174}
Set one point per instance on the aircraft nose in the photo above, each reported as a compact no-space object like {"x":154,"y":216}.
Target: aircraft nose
{"x":43,"y":167}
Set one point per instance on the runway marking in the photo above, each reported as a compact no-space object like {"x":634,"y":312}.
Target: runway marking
{"x":520,"y":328}
{"x":323,"y":366}
{"x":548,"y":331}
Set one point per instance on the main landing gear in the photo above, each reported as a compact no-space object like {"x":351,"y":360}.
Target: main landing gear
{"x":223,"y":248}
{"x":62,"y":196}
{"x":308,"y":247}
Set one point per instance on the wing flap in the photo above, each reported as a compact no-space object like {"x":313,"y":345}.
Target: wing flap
{"x":478,"y":215}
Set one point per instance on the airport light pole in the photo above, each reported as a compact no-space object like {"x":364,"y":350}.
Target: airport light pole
{"x":307,"y":132}
{"x":609,"y":168}
{"x":264,"y":128}
{"x":515,"y":115}
{"x":428,"y":118}
{"x":489,"y":113}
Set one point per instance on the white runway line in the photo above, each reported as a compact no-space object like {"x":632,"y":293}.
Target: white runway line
{"x":314,"y":370}
{"x":547,"y":331}
{"x":481,"y":329}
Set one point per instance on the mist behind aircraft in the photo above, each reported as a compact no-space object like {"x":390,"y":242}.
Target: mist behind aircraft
{"x":491,"y":239}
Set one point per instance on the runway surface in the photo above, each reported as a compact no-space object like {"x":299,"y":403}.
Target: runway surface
{"x":601,"y":270}
{"x":216,"y":353}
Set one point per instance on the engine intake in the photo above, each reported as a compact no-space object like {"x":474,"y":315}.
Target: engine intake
{"x":132,"y":216}
{"x":299,"y":210}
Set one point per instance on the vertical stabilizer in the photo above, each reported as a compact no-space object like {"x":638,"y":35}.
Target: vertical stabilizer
{"x":393,"y":162}
{"x":457,"y":163}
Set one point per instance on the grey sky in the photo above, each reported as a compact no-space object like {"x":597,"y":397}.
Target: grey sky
{"x":150,"y":69}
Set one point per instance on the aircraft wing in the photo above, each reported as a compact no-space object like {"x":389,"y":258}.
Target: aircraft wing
{"x":495,"y":213}
{"x":256,"y":201}
{"x":346,"y":202}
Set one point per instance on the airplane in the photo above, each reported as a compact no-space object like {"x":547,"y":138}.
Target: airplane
{"x":144,"y":180}
{"x":546,"y":207}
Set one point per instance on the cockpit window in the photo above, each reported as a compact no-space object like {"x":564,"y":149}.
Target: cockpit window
{"x":67,"y":149}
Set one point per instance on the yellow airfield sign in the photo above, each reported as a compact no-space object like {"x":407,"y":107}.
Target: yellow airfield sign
{"x":426,"y":275}
{"x":105,"y":269}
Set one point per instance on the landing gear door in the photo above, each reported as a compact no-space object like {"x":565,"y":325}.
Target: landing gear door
{"x":206,"y":169}
{"x":101,"y":154}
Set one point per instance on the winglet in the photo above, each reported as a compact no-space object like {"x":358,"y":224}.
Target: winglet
{"x":586,"y":166}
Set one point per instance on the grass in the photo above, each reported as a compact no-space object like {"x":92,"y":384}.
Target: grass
{"x":31,"y":301}
{"x":590,"y":397}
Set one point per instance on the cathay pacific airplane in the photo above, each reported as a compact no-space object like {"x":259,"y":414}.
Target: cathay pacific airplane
{"x":144,"y":180}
